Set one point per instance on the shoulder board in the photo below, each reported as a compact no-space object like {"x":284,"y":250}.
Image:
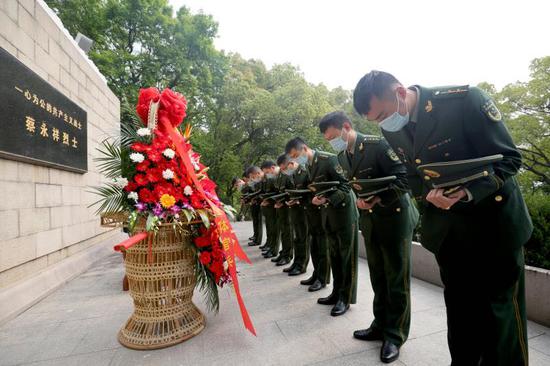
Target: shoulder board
{"x":372,"y":139}
{"x":459,"y":91}
{"x":324,"y":155}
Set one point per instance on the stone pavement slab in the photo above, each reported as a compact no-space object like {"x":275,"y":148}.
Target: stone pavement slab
{"x":78,"y":324}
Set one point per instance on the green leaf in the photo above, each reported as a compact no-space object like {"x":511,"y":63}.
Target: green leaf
{"x":152,"y":222}
{"x":204,"y":217}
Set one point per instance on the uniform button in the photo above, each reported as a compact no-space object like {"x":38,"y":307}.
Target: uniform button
{"x":370,"y":211}
{"x":418,"y":161}
{"x":398,"y":209}
{"x":354,"y":178}
{"x":498,"y":198}
{"x":426,"y":177}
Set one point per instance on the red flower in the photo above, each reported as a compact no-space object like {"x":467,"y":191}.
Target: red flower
{"x":140,"y":179}
{"x":217,"y":269}
{"x":140,"y":147}
{"x":173,"y":106}
{"x":154,"y":175}
{"x":196,"y":202}
{"x":154,"y":156}
{"x":142,"y":167}
{"x":131,"y":186}
{"x":146,"y":196}
{"x":208,"y":185}
{"x":144,"y":101}
{"x":202,"y":242}
{"x":205,"y":258}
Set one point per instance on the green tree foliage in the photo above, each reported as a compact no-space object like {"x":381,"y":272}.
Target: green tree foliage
{"x":139,"y":43}
{"x":526,"y":108}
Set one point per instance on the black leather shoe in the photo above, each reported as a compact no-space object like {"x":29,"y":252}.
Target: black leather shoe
{"x":329,"y":300}
{"x":308,"y":282}
{"x":289,"y":269}
{"x":251,"y":238}
{"x":389,"y":352}
{"x":269,"y":254}
{"x":277,"y":258}
{"x":263,"y":247}
{"x":252,"y":244}
{"x":282,"y":262}
{"x":296,"y":271}
{"x":339,"y":309}
{"x":369,"y":334}
{"x":316,"y":286}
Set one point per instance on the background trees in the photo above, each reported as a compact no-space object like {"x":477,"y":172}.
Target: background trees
{"x":243,"y":112}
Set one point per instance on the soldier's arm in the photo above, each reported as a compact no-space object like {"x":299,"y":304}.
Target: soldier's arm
{"x":389,"y":164}
{"x":335,"y":173}
{"x":488,"y":135}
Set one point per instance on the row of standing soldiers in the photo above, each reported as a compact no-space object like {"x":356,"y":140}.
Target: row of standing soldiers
{"x":475,"y":230}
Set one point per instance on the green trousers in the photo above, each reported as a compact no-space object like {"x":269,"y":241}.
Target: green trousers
{"x":485,"y":299}
{"x":318,"y":244}
{"x":257,"y":223}
{"x":388,"y":240}
{"x":342,"y":231}
{"x":285,"y":230}
{"x":272,"y":233}
{"x":298,"y":221}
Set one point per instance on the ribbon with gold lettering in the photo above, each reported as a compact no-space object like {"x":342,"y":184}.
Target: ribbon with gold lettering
{"x":230,"y":243}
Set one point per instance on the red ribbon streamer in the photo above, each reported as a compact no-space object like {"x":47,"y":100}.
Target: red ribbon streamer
{"x":230,"y":243}
{"x":121,"y":247}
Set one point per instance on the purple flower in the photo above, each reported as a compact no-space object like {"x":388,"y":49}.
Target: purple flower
{"x":141,"y":206}
{"x":175,"y":209}
{"x":157,"y":210}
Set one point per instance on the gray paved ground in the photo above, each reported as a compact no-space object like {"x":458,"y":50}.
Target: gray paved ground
{"x":77,"y":325}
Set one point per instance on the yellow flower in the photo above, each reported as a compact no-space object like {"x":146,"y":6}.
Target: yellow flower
{"x":167,"y":200}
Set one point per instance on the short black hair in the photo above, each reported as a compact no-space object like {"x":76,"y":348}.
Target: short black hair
{"x":334,"y":119}
{"x":375,"y":83}
{"x":296,"y":143}
{"x":251,"y":170}
{"x":267,"y":164}
{"x":282,"y":159}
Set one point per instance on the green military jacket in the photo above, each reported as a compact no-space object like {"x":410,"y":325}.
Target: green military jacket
{"x":374,"y":158}
{"x":455,"y":123}
{"x":268,"y":185}
{"x":300,"y":180}
{"x":325,"y":168}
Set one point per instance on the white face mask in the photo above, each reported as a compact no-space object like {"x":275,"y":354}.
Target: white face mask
{"x":270,"y":175}
{"x":301,"y":159}
{"x":338,"y":143}
{"x":395,"y":122}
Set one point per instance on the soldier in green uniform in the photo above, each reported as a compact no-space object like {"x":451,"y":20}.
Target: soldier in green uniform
{"x":387,"y":222}
{"x":270,"y":170}
{"x":298,"y":221}
{"x":316,"y":237}
{"x":477,"y":233}
{"x":340,"y":222}
{"x":282,"y":183}
{"x":254,"y":175}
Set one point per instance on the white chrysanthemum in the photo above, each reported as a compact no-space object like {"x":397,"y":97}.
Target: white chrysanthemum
{"x":225,"y":266}
{"x":188,"y":191}
{"x":133,"y":196}
{"x":144,"y":131}
{"x":169,"y":153}
{"x":167,"y":174}
{"x":137,"y":157}
{"x":120,"y":182}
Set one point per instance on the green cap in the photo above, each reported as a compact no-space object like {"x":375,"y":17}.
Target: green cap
{"x":370,"y":187}
{"x":279,"y":197}
{"x":297,"y":194}
{"x":320,"y":189}
{"x":459,"y":172}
